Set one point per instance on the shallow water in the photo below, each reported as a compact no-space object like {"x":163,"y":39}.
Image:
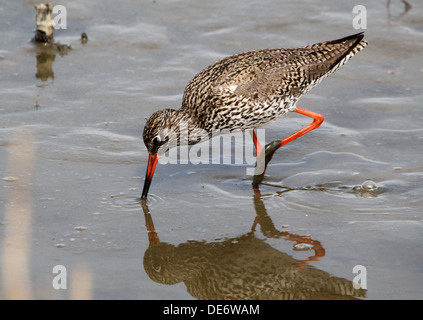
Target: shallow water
{"x":74,"y":160}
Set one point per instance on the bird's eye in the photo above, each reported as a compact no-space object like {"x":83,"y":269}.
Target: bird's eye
{"x":156,"y":140}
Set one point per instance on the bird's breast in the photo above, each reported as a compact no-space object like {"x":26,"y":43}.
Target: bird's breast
{"x":243,"y":113}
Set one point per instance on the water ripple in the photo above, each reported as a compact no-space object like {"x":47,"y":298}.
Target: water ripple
{"x":131,"y":202}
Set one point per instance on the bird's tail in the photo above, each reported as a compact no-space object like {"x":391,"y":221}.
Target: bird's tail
{"x":350,"y":45}
{"x":335,"y":53}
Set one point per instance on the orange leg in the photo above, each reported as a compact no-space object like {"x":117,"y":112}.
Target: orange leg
{"x":319,"y":251}
{"x":153,"y":238}
{"x":275,"y":145}
{"x":257,"y":143}
{"x":317,"y":121}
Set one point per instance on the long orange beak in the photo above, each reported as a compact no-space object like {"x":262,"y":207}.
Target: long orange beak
{"x":152,"y":163}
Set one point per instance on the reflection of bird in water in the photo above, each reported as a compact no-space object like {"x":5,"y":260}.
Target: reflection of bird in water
{"x":242,"y":268}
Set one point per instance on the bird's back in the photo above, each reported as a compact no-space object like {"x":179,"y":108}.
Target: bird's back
{"x":250,"y":89}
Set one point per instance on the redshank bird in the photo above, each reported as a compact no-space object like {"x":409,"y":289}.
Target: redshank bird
{"x":246,"y":91}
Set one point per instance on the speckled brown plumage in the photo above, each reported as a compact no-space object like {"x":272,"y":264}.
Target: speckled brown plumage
{"x":248,"y":90}
{"x":244,"y":268}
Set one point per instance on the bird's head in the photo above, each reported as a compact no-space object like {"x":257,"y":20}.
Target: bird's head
{"x":161,"y":132}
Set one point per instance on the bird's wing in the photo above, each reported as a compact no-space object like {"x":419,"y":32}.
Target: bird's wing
{"x":290,"y":75}
{"x":287,"y":79}
{"x":269,"y":73}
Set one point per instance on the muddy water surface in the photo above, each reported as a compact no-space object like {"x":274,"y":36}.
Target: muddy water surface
{"x":73,"y":161}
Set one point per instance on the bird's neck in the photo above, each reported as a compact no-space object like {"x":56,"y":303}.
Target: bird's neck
{"x":187,"y":128}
